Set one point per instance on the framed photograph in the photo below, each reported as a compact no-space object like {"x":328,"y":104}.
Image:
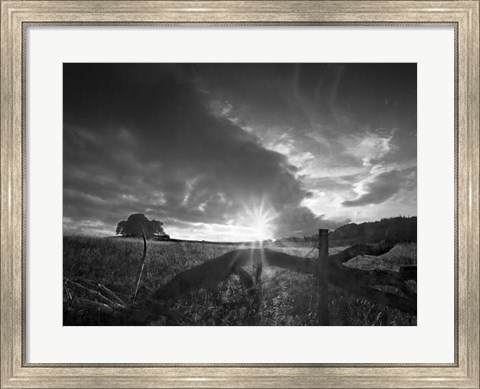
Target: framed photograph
{"x":239,"y":194}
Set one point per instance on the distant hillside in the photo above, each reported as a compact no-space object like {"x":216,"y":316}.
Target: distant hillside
{"x":398,"y":229}
{"x":401,"y":229}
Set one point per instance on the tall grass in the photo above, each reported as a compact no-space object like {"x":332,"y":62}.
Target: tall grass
{"x":281,"y":298}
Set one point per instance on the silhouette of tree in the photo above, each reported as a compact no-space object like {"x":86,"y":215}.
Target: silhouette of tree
{"x":138,"y":224}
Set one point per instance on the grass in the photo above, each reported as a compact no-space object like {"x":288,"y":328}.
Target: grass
{"x":282,"y":297}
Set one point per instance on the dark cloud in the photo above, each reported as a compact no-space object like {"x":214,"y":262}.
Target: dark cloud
{"x":321,"y":100}
{"x":384,"y":186}
{"x":140,"y":141}
{"x":297,"y":221}
{"x":300,"y":221}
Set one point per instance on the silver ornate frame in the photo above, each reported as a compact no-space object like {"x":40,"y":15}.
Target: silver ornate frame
{"x":16,"y":15}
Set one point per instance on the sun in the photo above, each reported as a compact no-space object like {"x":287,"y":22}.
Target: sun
{"x":258,"y":222}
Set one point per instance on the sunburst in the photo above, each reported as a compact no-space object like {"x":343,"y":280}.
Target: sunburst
{"x":258,"y":220}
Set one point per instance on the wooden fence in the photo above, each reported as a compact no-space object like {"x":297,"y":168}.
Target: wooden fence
{"x":328,"y":269}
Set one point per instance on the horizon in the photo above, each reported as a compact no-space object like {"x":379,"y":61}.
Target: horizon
{"x":179,"y":238}
{"x":238,"y":152}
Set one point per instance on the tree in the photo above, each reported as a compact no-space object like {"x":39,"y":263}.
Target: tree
{"x":138,"y":224}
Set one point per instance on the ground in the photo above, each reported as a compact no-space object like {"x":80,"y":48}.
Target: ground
{"x":282,"y":297}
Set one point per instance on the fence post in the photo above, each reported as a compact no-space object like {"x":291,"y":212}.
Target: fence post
{"x":321,"y":275}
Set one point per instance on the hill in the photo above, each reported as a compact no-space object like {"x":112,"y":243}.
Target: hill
{"x":401,"y":229}
{"x":398,"y":229}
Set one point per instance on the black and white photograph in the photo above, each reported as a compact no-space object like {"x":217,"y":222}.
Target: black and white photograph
{"x":240,"y":194}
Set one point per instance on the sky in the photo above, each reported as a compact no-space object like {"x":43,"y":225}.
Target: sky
{"x":235,"y":152}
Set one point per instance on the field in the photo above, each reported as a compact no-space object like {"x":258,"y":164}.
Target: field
{"x":281,"y":298}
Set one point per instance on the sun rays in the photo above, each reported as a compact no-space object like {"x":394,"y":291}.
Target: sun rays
{"x":258,"y":221}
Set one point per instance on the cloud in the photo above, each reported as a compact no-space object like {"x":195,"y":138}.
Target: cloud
{"x":86,"y":227}
{"x":335,"y":112}
{"x":194,"y":143}
{"x":297,"y":221}
{"x":384,"y":186}
{"x":158,"y":149}
{"x":368,"y":147}
{"x":301,"y":221}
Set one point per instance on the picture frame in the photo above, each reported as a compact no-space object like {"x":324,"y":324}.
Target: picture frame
{"x":16,"y":15}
